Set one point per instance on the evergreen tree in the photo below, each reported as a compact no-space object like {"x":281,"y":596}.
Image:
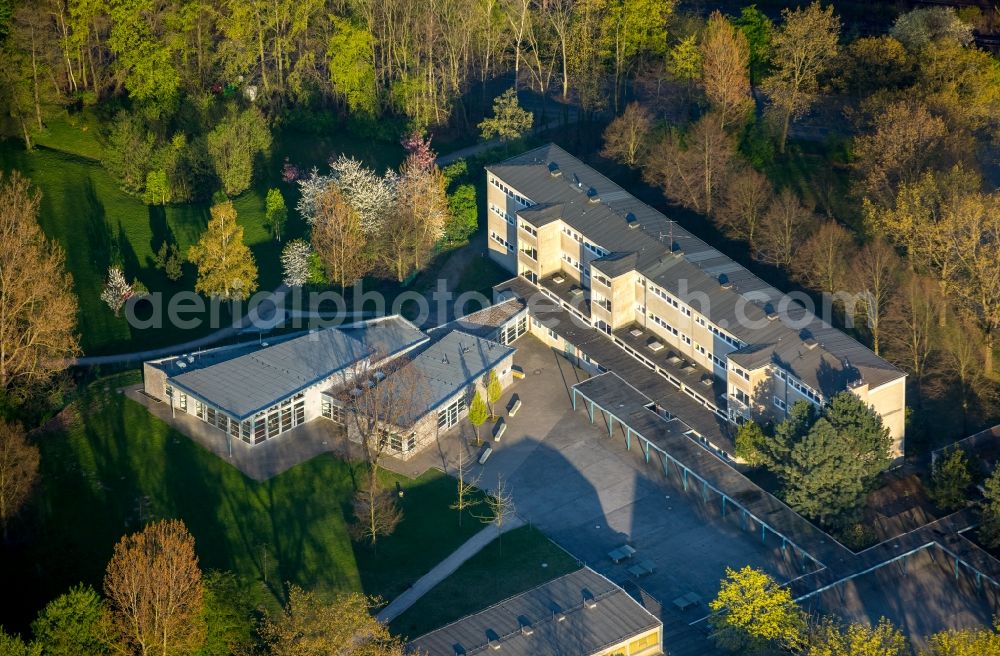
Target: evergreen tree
{"x":989,"y":526}
{"x":823,"y":478}
{"x":950,"y":480}
{"x":750,"y":439}
{"x":71,"y":624}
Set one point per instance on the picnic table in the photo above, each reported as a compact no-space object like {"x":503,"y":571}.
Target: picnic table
{"x":621,"y":553}
{"x":684,"y":602}
{"x":642,"y":568}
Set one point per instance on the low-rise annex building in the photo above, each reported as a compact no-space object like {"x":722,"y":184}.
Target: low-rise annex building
{"x":257,"y":392}
{"x":672,"y":302}
{"x":580,"y":613}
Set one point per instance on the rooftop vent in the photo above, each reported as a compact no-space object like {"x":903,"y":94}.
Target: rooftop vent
{"x":769,"y":311}
{"x":493,"y":638}
{"x":525,"y":623}
{"x":725,"y":282}
{"x":810,"y":343}
{"x":557,"y":611}
{"x":459,"y":649}
{"x":554,"y":170}
{"x":631,"y":220}
{"x":592,"y":195}
{"x":589,"y":601}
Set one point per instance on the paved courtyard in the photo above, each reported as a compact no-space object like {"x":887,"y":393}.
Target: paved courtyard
{"x":591,"y":495}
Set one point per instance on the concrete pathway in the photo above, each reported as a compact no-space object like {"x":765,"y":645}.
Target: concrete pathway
{"x":444,"y":569}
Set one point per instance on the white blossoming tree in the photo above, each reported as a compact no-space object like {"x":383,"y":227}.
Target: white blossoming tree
{"x":371,"y":196}
{"x":295,"y":262}
{"x":117,"y":290}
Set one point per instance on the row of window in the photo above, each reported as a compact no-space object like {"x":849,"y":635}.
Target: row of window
{"x":499,"y":211}
{"x":503,"y":242}
{"x":264,"y":425}
{"x":528,"y":228}
{"x":801,"y":388}
{"x":741,"y":372}
{"x":593,"y":248}
{"x":518,"y":198}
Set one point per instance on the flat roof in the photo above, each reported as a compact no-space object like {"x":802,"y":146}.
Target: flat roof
{"x":674,"y":259}
{"x":484,"y":322}
{"x":249,"y":383}
{"x":596,"y":614}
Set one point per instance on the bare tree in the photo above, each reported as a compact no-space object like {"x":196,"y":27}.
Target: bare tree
{"x":627,"y":137}
{"x":339,"y":239}
{"x":425,"y":208}
{"x":154,"y":590}
{"x":37,"y":306}
{"x":787,"y":223}
{"x":345,"y":626}
{"x":744,"y":201}
{"x":465,"y":497}
{"x":384,"y":400}
{"x":822,"y":260}
{"x":804,"y":47}
{"x":911,"y":327}
{"x":963,"y":344}
{"x":502,"y":510}
{"x":876,"y":270}
{"x":691,"y":168}
{"x":376,"y":513}
{"x":18,"y":471}
{"x":725,"y":62}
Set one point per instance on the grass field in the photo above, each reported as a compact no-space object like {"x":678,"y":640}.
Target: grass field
{"x":523,"y":559}
{"x":83,"y":208}
{"x":118,"y":466}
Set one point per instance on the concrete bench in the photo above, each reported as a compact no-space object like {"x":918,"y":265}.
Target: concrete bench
{"x":517,"y":372}
{"x":499,"y":429}
{"x":487,"y":452}
{"x":514,"y":405}
{"x":621,"y":553}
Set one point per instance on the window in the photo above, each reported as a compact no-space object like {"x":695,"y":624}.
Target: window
{"x":449,"y":416}
{"x":530,"y":253}
{"x":779,"y":403}
{"x":199,"y":409}
{"x":503,"y":242}
{"x":686,"y":339}
{"x":502,"y":214}
{"x":259,"y":429}
{"x":645,"y":642}
{"x":528,"y":228}
{"x":603,"y":280}
{"x":741,"y":396}
{"x":183,"y":402}
{"x":742,"y":373}
{"x":700,"y":349}
{"x":210,"y":415}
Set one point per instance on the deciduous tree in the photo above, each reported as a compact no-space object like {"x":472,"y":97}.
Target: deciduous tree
{"x":309,"y":626}
{"x":478,"y":413}
{"x":226,"y":267}
{"x":500,"y":502}
{"x":875,"y":271}
{"x":725,"y":60}
{"x":18,"y":471}
{"x":73,"y":624}
{"x":376,"y":513}
{"x":275,"y":212}
{"x":295,"y":262}
{"x":754,"y":612}
{"x":804,"y":46}
{"x":234,"y":144}
{"x":626,"y":138}
{"x":989,"y":527}
{"x":154,"y":589}
{"x":745,"y":199}
{"x":963,"y":642}
{"x":822,"y":260}
{"x":785,"y":226}
{"x":828,"y":637}
{"x":465,"y":494}
{"x":691,"y":168}
{"x":37,"y":306}
{"x":117,"y":290}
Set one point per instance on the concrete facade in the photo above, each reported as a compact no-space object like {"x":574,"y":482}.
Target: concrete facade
{"x":587,"y":244}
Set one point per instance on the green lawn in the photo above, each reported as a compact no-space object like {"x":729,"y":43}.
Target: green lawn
{"x":523,"y":559}
{"x":481,"y":275}
{"x":83,"y":208}
{"x":118,"y":461}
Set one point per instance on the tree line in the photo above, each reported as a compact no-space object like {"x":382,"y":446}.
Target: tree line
{"x":361,"y":58}
{"x":915,"y":237}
